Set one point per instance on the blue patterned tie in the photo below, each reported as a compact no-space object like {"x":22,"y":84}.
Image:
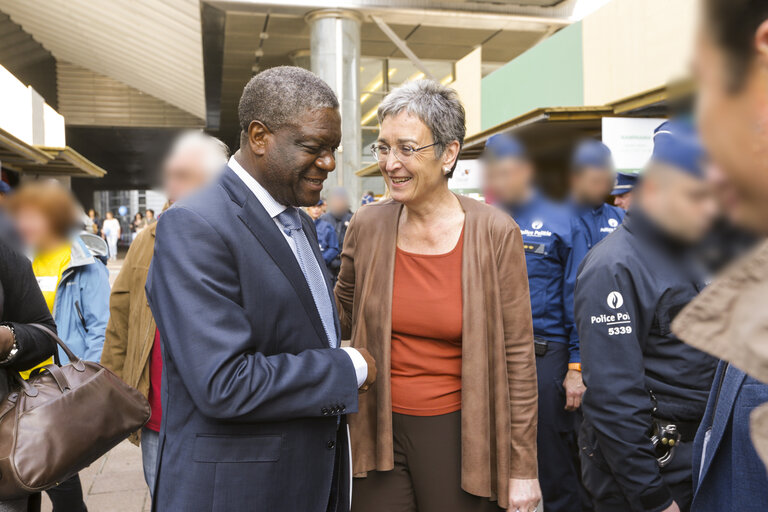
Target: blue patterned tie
{"x":311,"y":269}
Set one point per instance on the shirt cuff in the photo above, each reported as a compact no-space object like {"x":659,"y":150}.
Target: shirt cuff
{"x":358,"y":361}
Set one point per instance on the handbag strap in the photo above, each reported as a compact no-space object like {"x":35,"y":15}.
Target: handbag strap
{"x":77,"y":363}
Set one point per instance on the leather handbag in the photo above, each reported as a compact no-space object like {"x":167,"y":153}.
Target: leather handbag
{"x":61,"y":420}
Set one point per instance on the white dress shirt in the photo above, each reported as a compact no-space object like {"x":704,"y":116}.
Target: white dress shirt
{"x":274,"y":209}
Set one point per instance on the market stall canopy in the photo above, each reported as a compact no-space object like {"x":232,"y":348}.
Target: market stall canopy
{"x":17,"y":155}
{"x":13,"y":150}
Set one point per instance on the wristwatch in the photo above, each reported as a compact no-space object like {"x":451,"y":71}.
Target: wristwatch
{"x":14,"y":347}
{"x":574,"y":366}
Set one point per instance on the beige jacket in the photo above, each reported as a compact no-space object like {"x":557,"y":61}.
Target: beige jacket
{"x":729,"y":320}
{"x":499,"y":392}
{"x":131,"y":328}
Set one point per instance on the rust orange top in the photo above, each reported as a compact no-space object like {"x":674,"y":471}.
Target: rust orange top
{"x":426,"y":332}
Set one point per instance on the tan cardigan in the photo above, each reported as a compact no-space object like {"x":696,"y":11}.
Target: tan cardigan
{"x":499,"y":391}
{"x":131,"y":328}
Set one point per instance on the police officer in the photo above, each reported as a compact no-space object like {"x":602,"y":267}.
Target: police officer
{"x":338,"y":216}
{"x":546,"y":230}
{"x":326,"y":236}
{"x":622,"y":190}
{"x":646,"y":390}
{"x":592,"y":178}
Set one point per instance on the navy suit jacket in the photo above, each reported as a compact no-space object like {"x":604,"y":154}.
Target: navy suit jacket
{"x":732,"y":476}
{"x":251,"y":390}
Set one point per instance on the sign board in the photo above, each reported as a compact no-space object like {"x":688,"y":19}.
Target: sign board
{"x":630,"y":140}
{"x":467,"y":178}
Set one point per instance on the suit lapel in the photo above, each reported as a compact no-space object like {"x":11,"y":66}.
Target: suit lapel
{"x":263,"y":227}
{"x":732,"y":381}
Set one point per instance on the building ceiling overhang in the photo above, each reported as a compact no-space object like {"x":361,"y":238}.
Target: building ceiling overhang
{"x":154,"y":47}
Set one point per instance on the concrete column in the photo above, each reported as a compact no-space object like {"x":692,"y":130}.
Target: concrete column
{"x":335,"y":57}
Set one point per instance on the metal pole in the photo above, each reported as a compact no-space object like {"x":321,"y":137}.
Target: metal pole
{"x":335,"y":57}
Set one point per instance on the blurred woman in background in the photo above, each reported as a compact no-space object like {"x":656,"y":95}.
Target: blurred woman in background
{"x":21,"y":345}
{"x":111,"y":231}
{"x":434,"y":286}
{"x":137,"y":225}
{"x":74,"y":284}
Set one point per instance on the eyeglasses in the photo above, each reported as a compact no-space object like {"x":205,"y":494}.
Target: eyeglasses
{"x":402,"y":152}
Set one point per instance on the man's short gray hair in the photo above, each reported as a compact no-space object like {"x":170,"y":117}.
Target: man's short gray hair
{"x":436,"y":105}
{"x":281,"y":95}
{"x":215,"y":152}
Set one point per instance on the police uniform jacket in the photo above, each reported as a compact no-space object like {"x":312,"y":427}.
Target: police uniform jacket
{"x":629,"y":289}
{"x":329,"y":244}
{"x":546,"y":230}
{"x":588,"y":227}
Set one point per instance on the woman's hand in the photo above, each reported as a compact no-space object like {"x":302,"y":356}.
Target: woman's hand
{"x":524,"y":494}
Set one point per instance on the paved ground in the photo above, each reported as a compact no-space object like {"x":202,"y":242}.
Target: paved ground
{"x":115,"y":482}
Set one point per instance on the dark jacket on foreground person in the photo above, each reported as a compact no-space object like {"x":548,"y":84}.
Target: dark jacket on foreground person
{"x":498,"y":388}
{"x":629,"y":289}
{"x":251,"y":391}
{"x":21,"y":303}
{"x":728,"y":474}
{"x":728,"y":320}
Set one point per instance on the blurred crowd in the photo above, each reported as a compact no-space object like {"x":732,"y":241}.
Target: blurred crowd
{"x":606,"y":352}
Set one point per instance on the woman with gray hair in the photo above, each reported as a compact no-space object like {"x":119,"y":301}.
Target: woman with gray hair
{"x":434,"y":285}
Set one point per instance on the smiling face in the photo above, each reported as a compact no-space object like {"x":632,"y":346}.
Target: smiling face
{"x":415,"y":178}
{"x":293,"y":161}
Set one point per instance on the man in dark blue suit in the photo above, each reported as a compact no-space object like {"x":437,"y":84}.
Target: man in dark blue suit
{"x":255,"y":388}
{"x":727,"y":472}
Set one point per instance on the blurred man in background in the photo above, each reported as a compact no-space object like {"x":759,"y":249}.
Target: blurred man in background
{"x":326,"y":236}
{"x":641,"y":380}
{"x":592,"y":179}
{"x":338,"y":216}
{"x":729,"y":319}
{"x":546,"y":231}
{"x":622,"y":190}
{"x":132,"y":347}
{"x":368,"y":198}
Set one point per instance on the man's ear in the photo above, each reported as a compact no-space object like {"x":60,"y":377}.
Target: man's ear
{"x":258,"y":133}
{"x":761,"y":42}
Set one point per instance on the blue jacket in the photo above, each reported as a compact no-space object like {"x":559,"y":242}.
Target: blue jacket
{"x":629,"y":289}
{"x":329,"y":243}
{"x":546,"y":230}
{"x":732,"y":477}
{"x":253,"y":396}
{"x":81,"y":306}
{"x":588,"y":227}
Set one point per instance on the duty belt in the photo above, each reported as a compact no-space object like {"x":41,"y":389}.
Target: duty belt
{"x":666,"y":435}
